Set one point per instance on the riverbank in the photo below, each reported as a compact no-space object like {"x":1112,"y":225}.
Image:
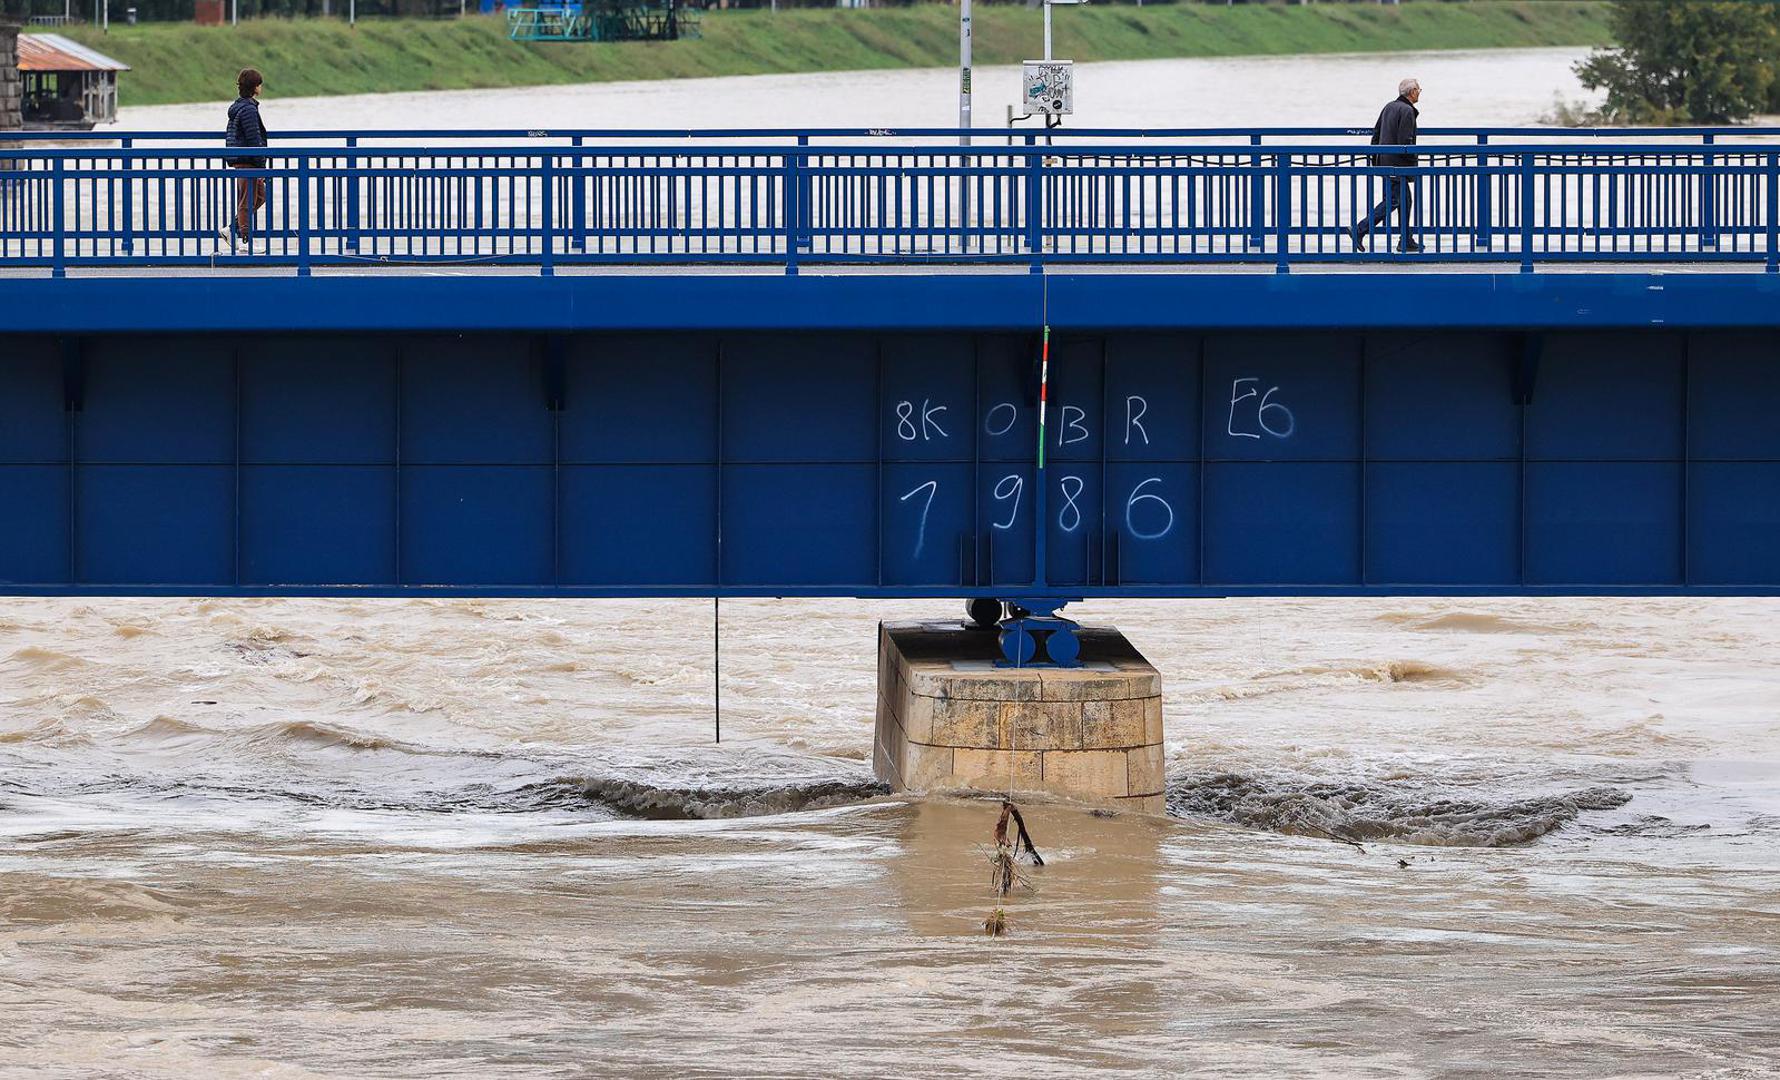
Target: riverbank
{"x":181,"y":62}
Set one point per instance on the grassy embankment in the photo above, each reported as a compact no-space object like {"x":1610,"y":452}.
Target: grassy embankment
{"x":177,"y":62}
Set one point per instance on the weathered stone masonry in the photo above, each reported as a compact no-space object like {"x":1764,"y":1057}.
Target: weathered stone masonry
{"x":948,"y":718}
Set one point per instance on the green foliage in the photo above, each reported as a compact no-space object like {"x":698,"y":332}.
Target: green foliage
{"x":1681,"y":61}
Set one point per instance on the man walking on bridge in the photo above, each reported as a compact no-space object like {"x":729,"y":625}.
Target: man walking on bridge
{"x":1395,"y":127}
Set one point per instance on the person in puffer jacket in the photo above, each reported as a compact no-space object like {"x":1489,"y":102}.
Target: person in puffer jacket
{"x":246,"y":129}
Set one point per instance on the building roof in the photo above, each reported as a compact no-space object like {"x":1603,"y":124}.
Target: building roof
{"x":53,"y":52}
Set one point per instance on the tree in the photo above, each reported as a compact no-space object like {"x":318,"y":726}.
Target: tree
{"x":1704,"y":61}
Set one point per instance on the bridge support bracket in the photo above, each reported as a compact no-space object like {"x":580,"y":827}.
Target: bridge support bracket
{"x":1034,"y":635}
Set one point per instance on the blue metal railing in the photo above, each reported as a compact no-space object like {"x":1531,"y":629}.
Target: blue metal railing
{"x":807,"y":136}
{"x":792,"y":198}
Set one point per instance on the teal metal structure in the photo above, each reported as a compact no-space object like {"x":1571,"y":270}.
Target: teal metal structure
{"x":602,"y":20}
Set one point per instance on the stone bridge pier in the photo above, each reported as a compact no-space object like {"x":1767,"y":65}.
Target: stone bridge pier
{"x":952,"y":715}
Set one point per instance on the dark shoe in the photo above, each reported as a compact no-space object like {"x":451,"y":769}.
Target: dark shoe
{"x":1359,"y":238}
{"x":1410,"y":247}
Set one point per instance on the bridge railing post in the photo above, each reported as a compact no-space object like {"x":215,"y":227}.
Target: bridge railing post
{"x":1527,"y":195}
{"x":1481,"y":234}
{"x":806,"y":210}
{"x":547,"y":208}
{"x":304,"y":233}
{"x":1773,"y":213}
{"x":59,"y":239}
{"x":577,"y":200}
{"x":1282,"y":213}
{"x":1035,"y":209}
{"x":1708,"y":197}
{"x":789,"y":211}
{"x":128,"y":207}
{"x":1257,"y":195}
{"x":352,"y":179}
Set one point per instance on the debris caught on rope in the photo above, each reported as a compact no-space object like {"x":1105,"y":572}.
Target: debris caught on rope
{"x":1024,"y":838}
{"x":1002,"y":873}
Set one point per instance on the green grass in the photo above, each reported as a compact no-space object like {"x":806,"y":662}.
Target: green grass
{"x":178,"y":62}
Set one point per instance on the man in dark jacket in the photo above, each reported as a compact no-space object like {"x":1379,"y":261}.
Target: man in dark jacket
{"x":1395,"y":127}
{"x":246,"y":129}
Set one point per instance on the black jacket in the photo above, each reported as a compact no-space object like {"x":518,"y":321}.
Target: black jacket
{"x":246,"y":129}
{"x":1395,"y":127}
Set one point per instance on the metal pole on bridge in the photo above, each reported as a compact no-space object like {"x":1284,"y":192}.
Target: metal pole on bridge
{"x":964,"y":72}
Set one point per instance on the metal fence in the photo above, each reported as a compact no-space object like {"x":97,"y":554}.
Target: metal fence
{"x":803,"y":198}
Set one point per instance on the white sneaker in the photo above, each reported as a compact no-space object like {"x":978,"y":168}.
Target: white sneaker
{"x":226,"y":243}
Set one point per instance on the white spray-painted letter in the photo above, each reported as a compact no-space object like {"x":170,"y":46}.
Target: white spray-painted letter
{"x":930,"y":420}
{"x":1235,"y":399}
{"x":989,"y":419}
{"x":1285,"y":418}
{"x":931,"y":487}
{"x":1069,"y":519}
{"x":1135,"y":408}
{"x":1009,"y":487}
{"x":905,"y":427}
{"x":1139,"y":495}
{"x":1071,"y":429}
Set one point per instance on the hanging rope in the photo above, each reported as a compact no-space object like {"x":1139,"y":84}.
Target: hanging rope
{"x":1002,"y":860}
{"x":716,"y":664}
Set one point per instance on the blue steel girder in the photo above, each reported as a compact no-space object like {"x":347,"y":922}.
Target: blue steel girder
{"x":874,"y":436}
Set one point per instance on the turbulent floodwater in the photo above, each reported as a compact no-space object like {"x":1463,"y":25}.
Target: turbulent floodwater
{"x":427,"y":838}
{"x":352,"y":838}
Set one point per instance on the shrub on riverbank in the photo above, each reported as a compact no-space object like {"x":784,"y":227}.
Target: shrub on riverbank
{"x":178,"y":62}
{"x":1687,"y":61}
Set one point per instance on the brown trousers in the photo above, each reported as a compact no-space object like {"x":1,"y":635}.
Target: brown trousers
{"x":250,"y":195}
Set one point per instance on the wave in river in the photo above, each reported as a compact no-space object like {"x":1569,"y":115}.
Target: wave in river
{"x":327,"y":765}
{"x":632,"y":798}
{"x":1354,"y":812}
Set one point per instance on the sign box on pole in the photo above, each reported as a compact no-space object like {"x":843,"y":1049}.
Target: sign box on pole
{"x":1047,"y":87}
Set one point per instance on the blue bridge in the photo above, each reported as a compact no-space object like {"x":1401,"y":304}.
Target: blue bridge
{"x":814,"y":363}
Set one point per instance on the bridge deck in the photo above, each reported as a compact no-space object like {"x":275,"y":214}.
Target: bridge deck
{"x":271,"y":300}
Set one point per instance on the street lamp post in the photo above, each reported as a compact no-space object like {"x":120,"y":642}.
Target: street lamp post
{"x":1048,"y":4}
